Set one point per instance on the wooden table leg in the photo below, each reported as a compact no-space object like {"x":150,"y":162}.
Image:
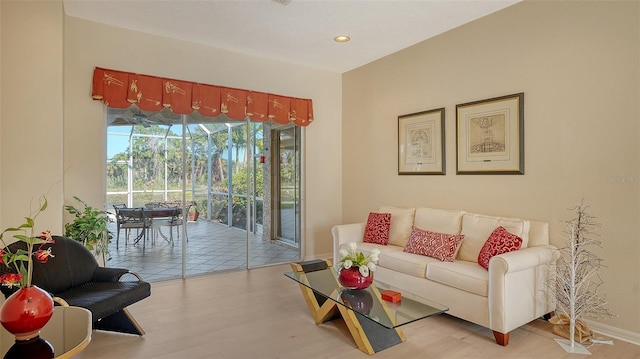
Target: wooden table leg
{"x":320,"y":311}
{"x":369,"y":336}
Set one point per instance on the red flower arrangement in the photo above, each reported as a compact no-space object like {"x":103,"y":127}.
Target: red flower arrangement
{"x":35,"y":249}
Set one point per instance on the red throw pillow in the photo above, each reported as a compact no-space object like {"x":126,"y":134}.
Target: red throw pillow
{"x":377,"y":229}
{"x":500,"y":241}
{"x":432,"y":244}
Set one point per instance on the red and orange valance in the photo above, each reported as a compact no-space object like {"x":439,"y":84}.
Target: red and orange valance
{"x":120,"y":89}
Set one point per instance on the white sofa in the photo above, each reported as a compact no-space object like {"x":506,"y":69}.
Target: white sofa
{"x":506,"y":296}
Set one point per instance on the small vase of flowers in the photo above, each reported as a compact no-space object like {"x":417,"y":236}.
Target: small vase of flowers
{"x":29,"y":308}
{"x":355,"y":269}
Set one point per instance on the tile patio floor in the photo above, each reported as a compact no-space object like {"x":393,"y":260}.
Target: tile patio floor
{"x":211,"y":247}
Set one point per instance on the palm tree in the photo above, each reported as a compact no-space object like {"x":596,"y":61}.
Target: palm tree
{"x":239,"y":139}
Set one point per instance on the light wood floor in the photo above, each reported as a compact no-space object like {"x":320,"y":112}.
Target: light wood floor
{"x":261,"y":314}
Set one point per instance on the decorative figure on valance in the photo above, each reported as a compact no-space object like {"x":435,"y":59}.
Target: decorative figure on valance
{"x":120,"y":89}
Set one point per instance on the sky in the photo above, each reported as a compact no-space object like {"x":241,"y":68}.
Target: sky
{"x":118,"y":139}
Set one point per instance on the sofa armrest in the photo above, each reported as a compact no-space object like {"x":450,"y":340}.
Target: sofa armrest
{"x":523,"y":259}
{"x":517,"y":287}
{"x":106,"y":274}
{"x":346,"y":233}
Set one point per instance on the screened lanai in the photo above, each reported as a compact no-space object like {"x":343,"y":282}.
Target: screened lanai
{"x":242,"y":178}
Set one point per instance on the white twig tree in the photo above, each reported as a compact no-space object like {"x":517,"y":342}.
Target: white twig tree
{"x":575,"y":278}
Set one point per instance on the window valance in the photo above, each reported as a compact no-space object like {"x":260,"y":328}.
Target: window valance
{"x":120,"y":89}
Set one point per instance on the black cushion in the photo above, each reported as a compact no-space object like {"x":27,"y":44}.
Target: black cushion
{"x":105,"y":298}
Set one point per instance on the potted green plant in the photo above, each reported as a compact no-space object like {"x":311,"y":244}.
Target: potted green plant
{"x":193,"y":212}
{"x":89,"y":227}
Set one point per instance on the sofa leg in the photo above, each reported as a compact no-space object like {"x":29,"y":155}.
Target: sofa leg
{"x":548,"y":315}
{"x":501,"y":338}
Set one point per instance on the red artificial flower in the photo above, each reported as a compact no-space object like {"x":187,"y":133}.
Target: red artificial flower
{"x":42,"y":255}
{"x":46,"y":235}
{"x":2,"y":252}
{"x":11,"y":279}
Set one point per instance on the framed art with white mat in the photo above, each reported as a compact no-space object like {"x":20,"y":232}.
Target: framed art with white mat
{"x":421,"y":143}
{"x":490,"y":136}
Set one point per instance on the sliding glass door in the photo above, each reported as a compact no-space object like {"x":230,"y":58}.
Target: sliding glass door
{"x":240,"y":204}
{"x":286,"y":184}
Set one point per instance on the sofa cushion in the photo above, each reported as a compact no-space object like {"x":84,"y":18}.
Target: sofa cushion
{"x":477,"y":228}
{"x":500,"y":241}
{"x":436,"y":245}
{"x":366,"y":248}
{"x":467,"y":276}
{"x":438,"y":220}
{"x":407,"y":263}
{"x":105,"y":298}
{"x":377,"y":228}
{"x":401,"y":222}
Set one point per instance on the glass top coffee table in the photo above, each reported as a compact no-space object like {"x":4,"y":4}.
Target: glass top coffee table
{"x":373,"y":322}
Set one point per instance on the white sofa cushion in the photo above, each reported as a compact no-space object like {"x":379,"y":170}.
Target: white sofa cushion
{"x":477,"y":229}
{"x":538,"y":234}
{"x":407,"y":263}
{"x":467,"y":276}
{"x":366,"y":248}
{"x":401,"y":222}
{"x":438,"y":220}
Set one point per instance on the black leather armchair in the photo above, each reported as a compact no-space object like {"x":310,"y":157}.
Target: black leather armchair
{"x":75,"y":276}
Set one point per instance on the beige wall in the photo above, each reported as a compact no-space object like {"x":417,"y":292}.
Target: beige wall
{"x":31,"y":112}
{"x":578,"y":65}
{"x":1,"y":226}
{"x":89,"y":44}
{"x":38,"y":41}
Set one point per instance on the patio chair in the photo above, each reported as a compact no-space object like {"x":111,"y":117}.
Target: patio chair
{"x":74,"y":276}
{"x":131,"y":218}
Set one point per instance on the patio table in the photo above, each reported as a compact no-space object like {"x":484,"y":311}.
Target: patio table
{"x":166,"y":214}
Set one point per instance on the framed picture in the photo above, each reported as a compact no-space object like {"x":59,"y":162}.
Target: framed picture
{"x":421,"y":143}
{"x":490,"y":136}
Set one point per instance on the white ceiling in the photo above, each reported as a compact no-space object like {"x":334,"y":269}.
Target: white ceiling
{"x":300,"y":33}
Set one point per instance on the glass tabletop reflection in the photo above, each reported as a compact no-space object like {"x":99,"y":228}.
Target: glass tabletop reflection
{"x":368,"y":302}
{"x":66,"y":334}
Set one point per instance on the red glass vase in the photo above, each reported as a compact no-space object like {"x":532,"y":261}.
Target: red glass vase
{"x":26,"y":311}
{"x":352,"y":278}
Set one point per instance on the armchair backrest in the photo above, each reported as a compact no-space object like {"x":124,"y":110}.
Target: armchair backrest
{"x":72,"y":266}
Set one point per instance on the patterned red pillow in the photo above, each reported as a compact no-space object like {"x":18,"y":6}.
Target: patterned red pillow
{"x":377,"y":229}
{"x":432,"y":244}
{"x":500,"y":241}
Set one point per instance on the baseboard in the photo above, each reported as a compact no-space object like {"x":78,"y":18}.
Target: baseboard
{"x":613,"y":332}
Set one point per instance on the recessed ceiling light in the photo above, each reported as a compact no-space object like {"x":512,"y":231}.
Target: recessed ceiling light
{"x":341,"y":38}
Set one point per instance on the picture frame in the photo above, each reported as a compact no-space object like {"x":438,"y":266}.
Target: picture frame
{"x":421,"y":143}
{"x":490,"y":136}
